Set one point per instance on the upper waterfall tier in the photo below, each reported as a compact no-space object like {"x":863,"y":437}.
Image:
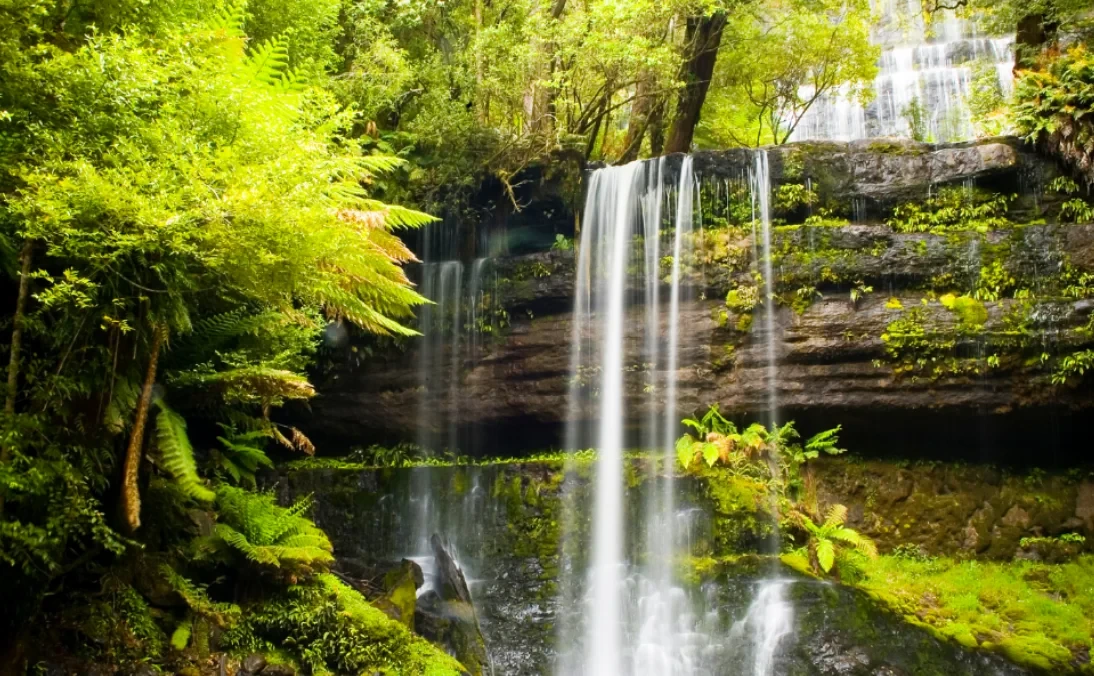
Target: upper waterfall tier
{"x":924,"y":82}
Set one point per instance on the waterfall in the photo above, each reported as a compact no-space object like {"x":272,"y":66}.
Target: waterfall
{"x":929,"y":66}
{"x":635,"y":618}
{"x":768,"y":620}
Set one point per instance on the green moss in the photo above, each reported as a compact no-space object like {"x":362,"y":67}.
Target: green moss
{"x":329,"y":627}
{"x":740,"y":509}
{"x":895,"y":148}
{"x":1038,"y":615}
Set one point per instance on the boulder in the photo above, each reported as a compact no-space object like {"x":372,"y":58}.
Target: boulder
{"x":446,"y":616}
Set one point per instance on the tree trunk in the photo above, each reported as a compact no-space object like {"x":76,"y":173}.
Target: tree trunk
{"x":1031,"y":35}
{"x":657,"y":128}
{"x":131,"y":497}
{"x":703,"y":37}
{"x":540,"y":103}
{"x":17,"y":323}
{"x":17,"y":335}
{"x":639,"y":121}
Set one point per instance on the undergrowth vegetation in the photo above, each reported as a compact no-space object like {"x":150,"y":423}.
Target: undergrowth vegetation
{"x":1039,"y":615}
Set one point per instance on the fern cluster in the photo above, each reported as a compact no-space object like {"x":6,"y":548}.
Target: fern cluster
{"x":271,"y":537}
{"x":1054,"y":106}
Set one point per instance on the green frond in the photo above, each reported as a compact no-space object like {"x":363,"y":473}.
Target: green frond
{"x":252,"y":384}
{"x":268,"y":62}
{"x":836,"y":516}
{"x":826,"y":554}
{"x":860,"y":542}
{"x":242,"y":454}
{"x":177,"y":455}
{"x":197,"y":599}
{"x":240,"y":543}
{"x":825,"y":442}
{"x":270,"y":535}
{"x":230,"y":19}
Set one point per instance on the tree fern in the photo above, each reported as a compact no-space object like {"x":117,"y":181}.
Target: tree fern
{"x":268,"y":535}
{"x":177,"y":455}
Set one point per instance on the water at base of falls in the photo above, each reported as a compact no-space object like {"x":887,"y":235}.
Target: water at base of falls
{"x":624,"y":611}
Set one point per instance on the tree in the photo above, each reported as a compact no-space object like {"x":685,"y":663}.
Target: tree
{"x":702,"y":39}
{"x":197,"y":212}
{"x":781,"y":57}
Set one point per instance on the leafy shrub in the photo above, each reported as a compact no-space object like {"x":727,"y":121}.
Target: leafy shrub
{"x":953,"y":209}
{"x":563,"y":243}
{"x":1054,"y":106}
{"x":773,"y":456}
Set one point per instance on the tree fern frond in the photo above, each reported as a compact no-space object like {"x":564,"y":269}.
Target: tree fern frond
{"x":826,"y":554}
{"x":271,"y":535}
{"x":240,"y":543}
{"x":836,"y":516}
{"x":252,"y":384}
{"x":177,"y":454}
{"x":302,"y":443}
{"x":268,"y":62}
{"x":230,"y":19}
{"x":860,"y":542}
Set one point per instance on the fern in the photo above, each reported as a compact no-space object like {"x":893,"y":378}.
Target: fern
{"x":271,"y":536}
{"x":268,"y":63}
{"x":177,"y":455}
{"x":828,"y":541}
{"x":197,"y":599}
{"x":230,"y":19}
{"x":242,"y":454}
{"x":251,"y":384}
{"x":824,"y":442}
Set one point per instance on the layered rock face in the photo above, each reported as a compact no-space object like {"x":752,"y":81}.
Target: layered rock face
{"x":504,"y":522}
{"x":874,"y":327}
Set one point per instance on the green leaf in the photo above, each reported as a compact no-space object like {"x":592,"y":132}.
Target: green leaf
{"x":826,"y":555}
{"x":684,"y":452}
{"x":710,"y":454}
{"x":177,"y":454}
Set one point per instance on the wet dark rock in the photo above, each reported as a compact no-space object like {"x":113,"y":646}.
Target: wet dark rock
{"x":950,"y":510}
{"x":446,"y":615}
{"x":1084,"y":504}
{"x":254,"y":664}
{"x":391,"y":586}
{"x":144,"y":670}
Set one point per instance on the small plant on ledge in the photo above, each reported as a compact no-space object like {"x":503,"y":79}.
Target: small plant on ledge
{"x":830,"y":547}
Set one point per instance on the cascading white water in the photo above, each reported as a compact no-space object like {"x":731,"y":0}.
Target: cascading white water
{"x":614,"y":226}
{"x":768,"y":620}
{"x":933,"y":67}
{"x":637,"y":620}
{"x":770,"y":617}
